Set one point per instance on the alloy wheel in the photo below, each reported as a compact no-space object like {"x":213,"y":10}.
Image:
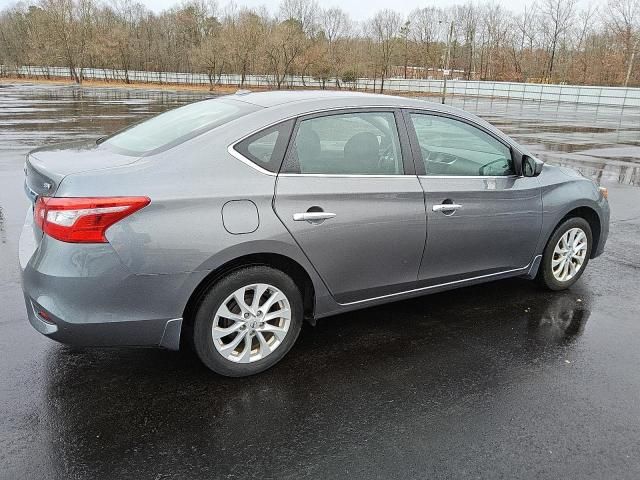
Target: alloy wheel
{"x":251,"y":323}
{"x":569,"y":254}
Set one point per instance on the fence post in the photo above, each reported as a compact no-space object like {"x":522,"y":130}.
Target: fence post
{"x":540,"y":96}
{"x":444,"y":87}
{"x":464,"y":98}
{"x":493,"y":92}
{"x":598,"y":104}
{"x":624,"y":102}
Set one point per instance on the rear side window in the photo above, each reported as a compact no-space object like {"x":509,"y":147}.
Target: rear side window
{"x":176,"y":126}
{"x":363,"y":143}
{"x":266,"y":148}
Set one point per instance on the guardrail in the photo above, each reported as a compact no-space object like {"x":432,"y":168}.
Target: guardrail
{"x":530,"y":92}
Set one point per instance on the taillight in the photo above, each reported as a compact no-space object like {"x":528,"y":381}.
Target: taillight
{"x":83,"y":220}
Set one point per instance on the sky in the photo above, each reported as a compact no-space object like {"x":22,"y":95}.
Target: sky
{"x":357,"y":9}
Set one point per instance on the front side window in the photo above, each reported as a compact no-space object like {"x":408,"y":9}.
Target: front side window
{"x":347,"y":144}
{"x":453,"y":147}
{"x":175,"y":126}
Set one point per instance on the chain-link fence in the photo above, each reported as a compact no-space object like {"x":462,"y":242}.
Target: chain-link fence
{"x":527,"y":92}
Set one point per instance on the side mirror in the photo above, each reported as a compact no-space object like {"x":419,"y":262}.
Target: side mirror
{"x":531,"y":167}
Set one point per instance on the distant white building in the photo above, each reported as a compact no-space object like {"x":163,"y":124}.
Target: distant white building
{"x":428,"y":73}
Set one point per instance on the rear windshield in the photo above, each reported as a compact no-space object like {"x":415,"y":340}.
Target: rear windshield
{"x":175,"y":126}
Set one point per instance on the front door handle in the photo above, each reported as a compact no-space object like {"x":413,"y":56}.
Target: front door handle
{"x":446,"y":206}
{"x":312,"y":216}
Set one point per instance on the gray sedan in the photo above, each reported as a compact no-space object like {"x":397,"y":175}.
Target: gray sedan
{"x":228,"y":222}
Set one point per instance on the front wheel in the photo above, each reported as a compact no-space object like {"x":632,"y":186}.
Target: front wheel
{"x":248,"y":321}
{"x":566,"y":254}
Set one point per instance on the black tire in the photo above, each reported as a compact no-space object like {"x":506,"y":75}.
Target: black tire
{"x":212,"y":300}
{"x":545,"y":274}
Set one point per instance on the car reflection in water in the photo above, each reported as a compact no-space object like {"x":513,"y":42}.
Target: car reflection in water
{"x":560,"y":322}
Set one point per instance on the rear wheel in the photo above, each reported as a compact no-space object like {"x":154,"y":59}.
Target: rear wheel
{"x":566,"y":254}
{"x":248,"y":321}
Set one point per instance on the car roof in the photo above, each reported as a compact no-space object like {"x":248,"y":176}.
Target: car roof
{"x":301,"y":98}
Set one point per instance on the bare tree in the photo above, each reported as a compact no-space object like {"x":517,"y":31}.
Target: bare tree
{"x":584,"y":30}
{"x":624,"y":19}
{"x":71,"y":26}
{"x":120,"y":31}
{"x":468,"y":16}
{"x":385,"y":26}
{"x":246,"y":35}
{"x":286,"y":43}
{"x":427,"y":28}
{"x":14,"y":30}
{"x":306,"y":12}
{"x":404,"y":35}
{"x":334,"y":23}
{"x":557,"y":19}
{"x":211,"y":53}
{"x":524,"y":39}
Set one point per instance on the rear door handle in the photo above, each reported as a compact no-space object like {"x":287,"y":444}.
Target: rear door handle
{"x":446,"y":206}
{"x":312,"y":216}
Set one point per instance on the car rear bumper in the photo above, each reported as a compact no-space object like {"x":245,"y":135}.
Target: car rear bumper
{"x":82,"y":294}
{"x":151,"y":333}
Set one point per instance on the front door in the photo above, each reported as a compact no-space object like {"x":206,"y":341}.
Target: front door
{"x":482,"y":219}
{"x":351,"y":203}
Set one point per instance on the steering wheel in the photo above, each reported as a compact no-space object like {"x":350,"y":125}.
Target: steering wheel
{"x":438,"y":157}
{"x":483,"y":168}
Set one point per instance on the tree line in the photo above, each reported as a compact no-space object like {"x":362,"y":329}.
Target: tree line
{"x":550,"y":41}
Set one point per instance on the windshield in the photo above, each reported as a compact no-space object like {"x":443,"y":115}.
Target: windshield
{"x":175,"y":126}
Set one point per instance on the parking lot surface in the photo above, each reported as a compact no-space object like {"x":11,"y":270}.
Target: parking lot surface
{"x":502,"y":380}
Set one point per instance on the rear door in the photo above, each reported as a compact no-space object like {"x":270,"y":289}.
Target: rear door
{"x":349,"y":195}
{"x":482,"y":218}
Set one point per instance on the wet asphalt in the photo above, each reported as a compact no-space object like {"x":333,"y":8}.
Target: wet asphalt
{"x":502,"y":380}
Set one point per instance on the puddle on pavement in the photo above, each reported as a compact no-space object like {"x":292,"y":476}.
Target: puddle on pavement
{"x":538,"y":127}
{"x":32,"y":115}
{"x":568,"y":147}
{"x":561,"y":321}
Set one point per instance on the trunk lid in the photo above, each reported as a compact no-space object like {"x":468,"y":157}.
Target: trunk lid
{"x":46,"y":167}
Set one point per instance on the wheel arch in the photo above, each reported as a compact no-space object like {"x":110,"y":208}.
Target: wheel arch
{"x":591,"y":216}
{"x":275,"y":260}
